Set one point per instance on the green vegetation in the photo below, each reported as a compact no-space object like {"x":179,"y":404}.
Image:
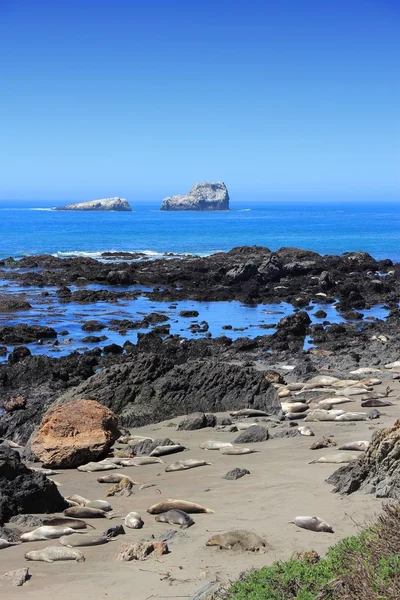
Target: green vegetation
{"x":362,"y":567}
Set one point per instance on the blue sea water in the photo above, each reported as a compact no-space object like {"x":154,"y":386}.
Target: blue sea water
{"x":325,"y":227}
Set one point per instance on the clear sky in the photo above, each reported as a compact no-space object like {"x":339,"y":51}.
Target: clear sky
{"x":142,"y":98}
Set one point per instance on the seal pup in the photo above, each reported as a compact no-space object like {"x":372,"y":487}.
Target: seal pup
{"x":133,"y":520}
{"x":102,"y":504}
{"x":80,"y":500}
{"x":5,"y":543}
{"x":175,"y":517}
{"x":65,"y":522}
{"x":305,"y":430}
{"x":85,"y":512}
{"x":337,"y":458}
{"x":163,"y":450}
{"x":76,"y":540}
{"x":116,"y":478}
{"x":214,"y":445}
{"x":238,"y":539}
{"x":360,"y":446}
{"x":249,"y":412}
{"x":235,"y":450}
{"x":313,"y":524}
{"x":184,"y":505}
{"x":183,"y":465}
{"x":54,"y":553}
{"x":92,"y":467}
{"x":46,"y":532}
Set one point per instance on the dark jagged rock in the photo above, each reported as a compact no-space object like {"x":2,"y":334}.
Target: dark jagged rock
{"x":13,"y":303}
{"x":189,"y":313}
{"x":23,"y":490}
{"x":93,"y":326}
{"x":253,"y":434}
{"x":197,"y":421}
{"x":25,"y":334}
{"x":18,"y":354}
{"x":377,"y":470}
{"x":236,"y":474}
{"x":113,"y":349}
{"x":145,"y":447}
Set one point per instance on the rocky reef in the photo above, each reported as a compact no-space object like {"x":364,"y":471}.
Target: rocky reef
{"x":116,"y":204}
{"x":202,"y":196}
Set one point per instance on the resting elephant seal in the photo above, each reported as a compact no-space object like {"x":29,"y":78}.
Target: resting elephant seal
{"x":249,"y":412}
{"x":80,"y":500}
{"x":235,"y":450}
{"x":102,"y":504}
{"x":92,"y":467}
{"x":238,"y":539}
{"x":374,"y":402}
{"x":214,"y":445}
{"x":337,"y":458}
{"x":85,"y":512}
{"x":45,"y":471}
{"x":133,"y":520}
{"x":46,"y":532}
{"x":163,"y":450}
{"x":313,"y":524}
{"x":5,"y":544}
{"x":116,"y":478}
{"x":183,"y":465}
{"x":53,"y":553}
{"x":77,"y":540}
{"x":357,"y":446}
{"x":169,"y":504}
{"x":65,"y":522}
{"x":139,"y":461}
{"x":242,"y":426}
{"x":175,"y":517}
{"x":306,"y":430}
{"x":352,"y":416}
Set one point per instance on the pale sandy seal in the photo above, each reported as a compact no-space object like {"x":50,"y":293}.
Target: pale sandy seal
{"x":135,"y":439}
{"x":352,"y":416}
{"x":306,"y":430}
{"x":175,"y":517}
{"x":334,"y":400}
{"x":45,"y":471}
{"x":238,"y":539}
{"x":353,"y":391}
{"x":214,"y":445}
{"x":46,"y":532}
{"x":337,"y":458}
{"x":183,"y":465}
{"x":323,"y":415}
{"x":102,"y":504}
{"x":249,"y":412}
{"x":85,"y":512}
{"x":92,"y":467}
{"x":313,"y":524}
{"x":5,"y":544}
{"x":324,"y":380}
{"x":293,"y":407}
{"x":77,"y":540}
{"x":365,"y":371}
{"x":80,"y":500}
{"x":164,"y":450}
{"x":360,"y":446}
{"x":53,"y":553}
{"x":235,"y":450}
{"x":169,"y":504}
{"x":242,"y":426}
{"x":116,"y":478}
{"x":139,"y":461}
{"x":133,"y":520}
{"x":66,"y":522}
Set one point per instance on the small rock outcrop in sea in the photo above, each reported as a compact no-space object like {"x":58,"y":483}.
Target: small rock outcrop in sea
{"x":117,"y":204}
{"x":202,"y":196}
{"x":377,"y":471}
{"x":23,"y":490}
{"x":75,"y":433}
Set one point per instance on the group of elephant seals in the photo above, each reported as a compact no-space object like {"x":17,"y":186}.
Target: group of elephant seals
{"x":85,"y":512}
{"x":46,"y":532}
{"x":238,"y":539}
{"x":313,"y":524}
{"x":184,"y":505}
{"x":54,"y":553}
{"x":175,"y":517}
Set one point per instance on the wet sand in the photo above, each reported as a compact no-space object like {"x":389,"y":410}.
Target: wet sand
{"x":281,"y":485}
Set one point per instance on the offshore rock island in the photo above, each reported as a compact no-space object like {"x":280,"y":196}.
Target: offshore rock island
{"x":202,"y":196}
{"x":110,"y":204}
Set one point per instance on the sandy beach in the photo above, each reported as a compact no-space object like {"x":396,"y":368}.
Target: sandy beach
{"x":281,"y":485}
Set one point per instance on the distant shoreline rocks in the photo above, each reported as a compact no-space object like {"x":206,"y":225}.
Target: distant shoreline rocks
{"x":204,"y":196}
{"x":110,"y":204}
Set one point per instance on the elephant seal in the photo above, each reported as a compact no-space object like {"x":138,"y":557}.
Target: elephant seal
{"x":313,"y":524}
{"x":238,"y":539}
{"x":352,"y":416}
{"x":294,"y":407}
{"x":306,"y":430}
{"x":175,"y":517}
{"x":334,"y":400}
{"x":65,"y":522}
{"x":76,"y":540}
{"x":85,"y":512}
{"x":183,"y":465}
{"x":102,"y":504}
{"x":242,"y":426}
{"x":115,"y":478}
{"x":249,"y":412}
{"x":92,"y":467}
{"x":357,"y":446}
{"x":80,"y":500}
{"x":374,"y":402}
{"x":46,"y":532}
{"x":139,"y":461}
{"x":53,"y":553}
{"x":133,"y":520}
{"x":169,"y":504}
{"x":235,"y":450}
{"x":337,"y":458}
{"x":45,"y":471}
{"x":163,"y":450}
{"x":5,"y":543}
{"x":214,"y":445}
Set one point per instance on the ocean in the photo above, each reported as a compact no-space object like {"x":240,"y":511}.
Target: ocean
{"x":326,"y":227}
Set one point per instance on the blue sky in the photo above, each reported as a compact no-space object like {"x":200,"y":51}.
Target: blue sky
{"x":144,"y":98}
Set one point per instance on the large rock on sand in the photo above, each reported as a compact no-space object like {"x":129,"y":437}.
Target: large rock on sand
{"x":377,"y":470}
{"x":75,"y":433}
{"x":23,"y":490}
{"x":202,"y":196}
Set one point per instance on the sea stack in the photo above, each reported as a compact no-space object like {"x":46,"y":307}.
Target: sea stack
{"x":116,"y":204}
{"x":203,"y":196}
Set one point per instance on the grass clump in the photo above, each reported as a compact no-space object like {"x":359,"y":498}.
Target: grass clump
{"x":362,"y":567}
